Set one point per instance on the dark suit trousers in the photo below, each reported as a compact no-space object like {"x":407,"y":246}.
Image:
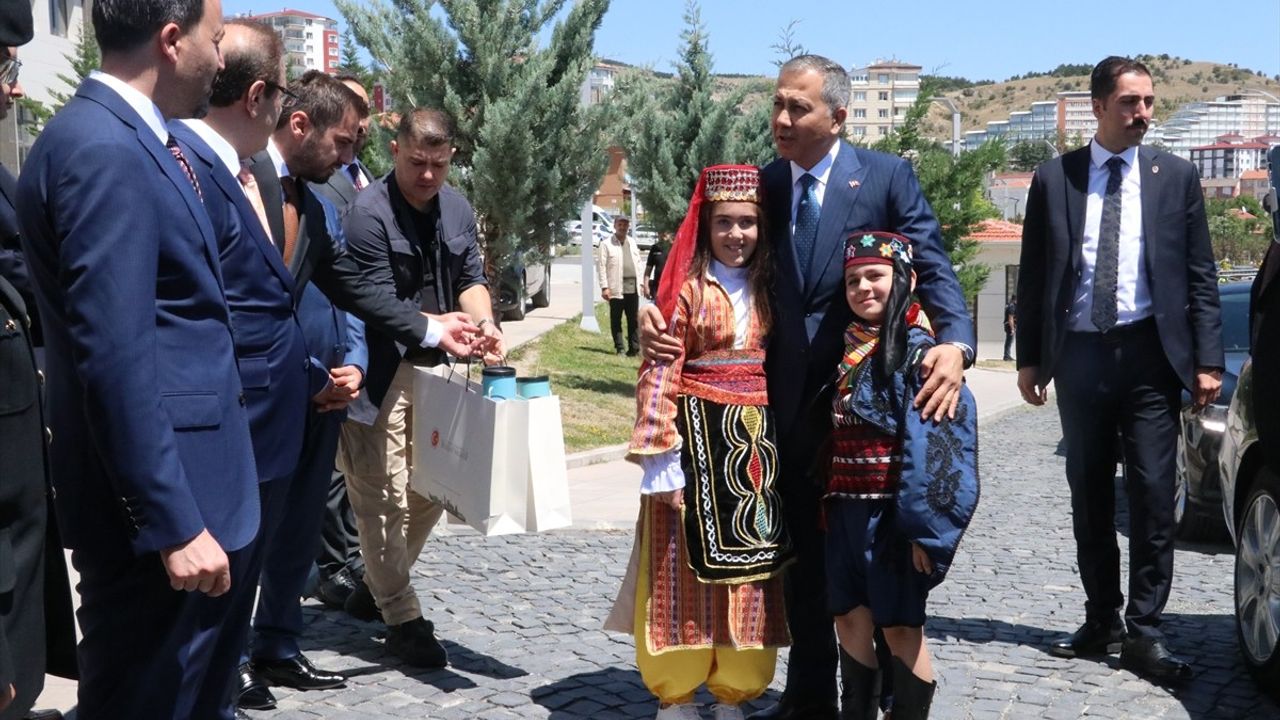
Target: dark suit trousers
{"x":294,"y":541}
{"x":629,"y":305}
{"x":149,"y":651}
{"x":339,"y":540}
{"x":1121,"y":382}
{"x":811,"y":670}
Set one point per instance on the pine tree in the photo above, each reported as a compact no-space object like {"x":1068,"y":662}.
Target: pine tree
{"x":85,"y":58}
{"x":953,"y":185}
{"x":671,"y":131}
{"x":528,"y":155}
{"x":351,"y":63}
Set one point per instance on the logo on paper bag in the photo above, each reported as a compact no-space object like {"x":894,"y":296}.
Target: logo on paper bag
{"x":435,"y":438}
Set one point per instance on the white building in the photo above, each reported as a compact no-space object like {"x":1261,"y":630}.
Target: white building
{"x":310,"y":40}
{"x":1200,"y":123}
{"x":881,"y":95}
{"x":57,"y":26}
{"x":1231,"y":155}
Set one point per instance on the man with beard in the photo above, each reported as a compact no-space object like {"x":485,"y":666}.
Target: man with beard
{"x":156,"y":492}
{"x":313,"y":136}
{"x":1118,"y":304}
{"x":820,"y":191}
{"x":340,"y":565}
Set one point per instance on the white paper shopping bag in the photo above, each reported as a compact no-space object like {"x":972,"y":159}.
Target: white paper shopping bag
{"x":548,"y":477}
{"x":470,"y":453}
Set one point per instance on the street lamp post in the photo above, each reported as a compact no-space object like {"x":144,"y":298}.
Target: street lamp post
{"x":955,"y":121}
{"x":588,"y":234}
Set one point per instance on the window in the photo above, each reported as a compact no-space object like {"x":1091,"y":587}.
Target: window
{"x":308,"y":36}
{"x":59,"y":14}
{"x":308,"y":22}
{"x":882,"y":78}
{"x":884,"y":129}
{"x":860,"y":95}
{"x":897,"y":112}
{"x":883,"y":95}
{"x":860,"y":112}
{"x":883,"y":113}
{"x":859,"y":132}
{"x":333,"y":51}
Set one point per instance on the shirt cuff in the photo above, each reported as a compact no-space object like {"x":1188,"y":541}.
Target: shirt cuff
{"x":662,"y":472}
{"x":435,"y":333}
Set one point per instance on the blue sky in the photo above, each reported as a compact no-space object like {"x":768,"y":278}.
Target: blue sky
{"x":977,"y":40}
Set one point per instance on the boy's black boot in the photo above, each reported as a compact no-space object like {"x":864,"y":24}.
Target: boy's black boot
{"x":859,"y":689}
{"x":911,"y":695}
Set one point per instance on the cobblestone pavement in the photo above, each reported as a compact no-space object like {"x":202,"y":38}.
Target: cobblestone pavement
{"x":520,"y":616}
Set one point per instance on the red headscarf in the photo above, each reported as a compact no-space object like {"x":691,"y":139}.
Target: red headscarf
{"x":717,"y":183}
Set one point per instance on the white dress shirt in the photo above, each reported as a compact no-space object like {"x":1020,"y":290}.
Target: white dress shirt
{"x":220,"y":145}
{"x":140,"y":103}
{"x":1133,"y":289}
{"x":662,"y":472}
{"x":820,"y":170}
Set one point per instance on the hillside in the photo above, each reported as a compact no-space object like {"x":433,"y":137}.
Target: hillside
{"x":1177,"y":81}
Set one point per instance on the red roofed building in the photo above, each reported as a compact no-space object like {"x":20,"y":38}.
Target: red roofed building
{"x":1231,"y":155}
{"x":1000,"y":249}
{"x":310,"y":40}
{"x":1255,"y":183}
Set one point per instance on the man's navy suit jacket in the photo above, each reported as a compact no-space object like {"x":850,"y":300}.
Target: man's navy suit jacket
{"x":866,"y":190}
{"x":1179,"y":261}
{"x":150,"y":438}
{"x":270,"y":348}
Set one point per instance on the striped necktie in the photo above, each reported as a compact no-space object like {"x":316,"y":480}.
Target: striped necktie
{"x":172,"y":144}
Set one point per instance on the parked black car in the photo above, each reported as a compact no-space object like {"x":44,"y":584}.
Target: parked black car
{"x":521,"y":285}
{"x":1198,"y":493}
{"x":1251,"y":504}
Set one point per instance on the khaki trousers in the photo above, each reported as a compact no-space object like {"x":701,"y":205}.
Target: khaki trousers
{"x":393,"y":520}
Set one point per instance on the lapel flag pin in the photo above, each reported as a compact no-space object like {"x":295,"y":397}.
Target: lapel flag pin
{"x":853,"y":184}
{"x":1155,"y":169}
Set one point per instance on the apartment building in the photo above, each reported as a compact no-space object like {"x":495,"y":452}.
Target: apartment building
{"x":310,"y":40}
{"x":1232,"y":155}
{"x":57,"y":25}
{"x":881,"y":94}
{"x":1197,"y":124}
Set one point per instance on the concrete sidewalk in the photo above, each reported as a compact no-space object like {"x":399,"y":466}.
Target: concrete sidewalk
{"x":606,"y":495}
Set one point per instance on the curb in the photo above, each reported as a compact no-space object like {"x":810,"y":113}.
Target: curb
{"x":596,"y":456}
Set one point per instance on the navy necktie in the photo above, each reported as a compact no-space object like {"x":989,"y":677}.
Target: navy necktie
{"x":1106,"y":267}
{"x":806,"y":232}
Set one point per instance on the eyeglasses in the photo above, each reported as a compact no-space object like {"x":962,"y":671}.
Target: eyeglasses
{"x":290,"y":99}
{"x":9,"y":68}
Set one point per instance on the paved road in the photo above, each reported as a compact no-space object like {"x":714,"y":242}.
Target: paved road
{"x":521,"y":616}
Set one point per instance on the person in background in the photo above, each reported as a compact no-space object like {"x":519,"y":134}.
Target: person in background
{"x":653,"y":266}
{"x":618,"y":272}
{"x":1010,"y":325}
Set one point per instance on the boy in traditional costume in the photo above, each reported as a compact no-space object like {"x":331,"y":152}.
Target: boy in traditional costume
{"x":901,"y":490}
{"x":703,"y":595}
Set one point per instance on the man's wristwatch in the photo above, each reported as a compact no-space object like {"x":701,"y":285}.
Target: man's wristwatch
{"x":965,"y":351}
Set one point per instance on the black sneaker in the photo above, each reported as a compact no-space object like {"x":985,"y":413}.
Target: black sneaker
{"x":361,"y":605}
{"x":415,"y":643}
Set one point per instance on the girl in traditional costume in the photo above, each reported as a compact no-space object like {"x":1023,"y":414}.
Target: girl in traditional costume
{"x":901,"y":490}
{"x":703,"y":595}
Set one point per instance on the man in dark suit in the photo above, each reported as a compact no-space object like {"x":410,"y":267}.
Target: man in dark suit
{"x":340,"y":565}
{"x":13,"y":267}
{"x":37,"y":630}
{"x":817,"y":193}
{"x":312,"y":137}
{"x":151,"y":460}
{"x":1118,"y":304}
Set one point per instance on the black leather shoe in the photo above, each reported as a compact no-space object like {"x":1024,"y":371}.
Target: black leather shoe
{"x":415,"y":643}
{"x":254,"y":693}
{"x":1093,"y":639}
{"x":1150,"y":658}
{"x":241,"y":715}
{"x":334,"y":590}
{"x":297,"y":673}
{"x":361,"y":605}
{"x":788,"y":709}
{"x":43,"y":715}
